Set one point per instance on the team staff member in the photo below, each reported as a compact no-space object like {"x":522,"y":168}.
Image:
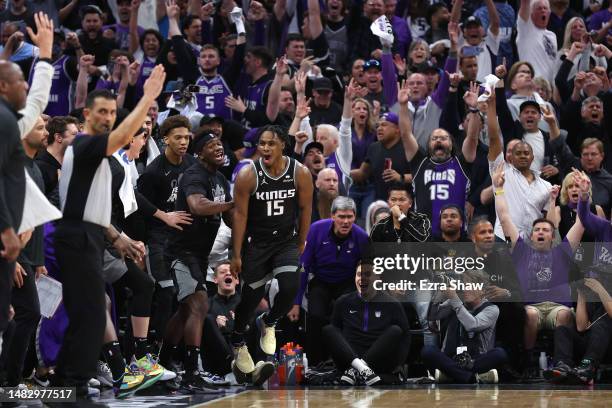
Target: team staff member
{"x":85,"y":201}
{"x":334,"y":248}
{"x":13,"y":94}
{"x":205,"y":194}
{"x":369,"y":332}
{"x":268,"y":196}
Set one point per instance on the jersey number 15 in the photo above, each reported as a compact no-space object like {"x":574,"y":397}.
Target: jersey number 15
{"x":275,"y":207}
{"x":438,"y":192}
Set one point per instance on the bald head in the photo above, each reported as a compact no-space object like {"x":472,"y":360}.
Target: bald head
{"x":327,"y":183}
{"x":13,"y":87}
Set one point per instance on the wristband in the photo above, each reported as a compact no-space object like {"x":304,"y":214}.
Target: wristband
{"x":499,"y":191}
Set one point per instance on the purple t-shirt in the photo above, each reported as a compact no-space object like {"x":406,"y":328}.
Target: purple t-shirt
{"x":360,"y":147}
{"x":599,"y":19}
{"x":543,"y":275}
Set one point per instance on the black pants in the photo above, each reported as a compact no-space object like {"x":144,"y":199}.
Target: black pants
{"x":80,"y":247}
{"x":27,"y":313}
{"x":163,"y":297}
{"x":321,"y":297}
{"x":7,"y":269}
{"x":384,"y":355}
{"x":510,"y":328}
{"x":141,"y":286}
{"x":571,"y":346}
{"x":436,"y":359}
{"x":217,"y":353}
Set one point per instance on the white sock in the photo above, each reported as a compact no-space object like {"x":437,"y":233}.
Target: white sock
{"x":359,"y":365}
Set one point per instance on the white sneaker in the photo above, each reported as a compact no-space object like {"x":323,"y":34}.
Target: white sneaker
{"x":490,"y":377}
{"x":242,"y":360}
{"x":93,"y":382}
{"x":267,"y":339}
{"x":104,"y":374}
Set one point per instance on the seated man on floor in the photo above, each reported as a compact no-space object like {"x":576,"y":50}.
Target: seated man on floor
{"x":468,"y":354}
{"x":369,"y":335}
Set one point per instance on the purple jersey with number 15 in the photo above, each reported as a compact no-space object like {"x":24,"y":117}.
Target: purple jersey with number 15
{"x":59,"y":95}
{"x":211,"y":97}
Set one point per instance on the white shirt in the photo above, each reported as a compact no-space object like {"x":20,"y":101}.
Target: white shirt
{"x":526,"y":201}
{"x":536,"y":141}
{"x":490,"y":49}
{"x":537,"y":46}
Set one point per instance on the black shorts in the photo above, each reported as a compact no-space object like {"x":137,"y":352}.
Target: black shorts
{"x":263,"y":262}
{"x":189,"y":272}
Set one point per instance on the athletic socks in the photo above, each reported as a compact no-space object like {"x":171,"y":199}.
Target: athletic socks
{"x":191,"y":358}
{"x":142,"y":347}
{"x":114,"y":358}
{"x":359,"y":365}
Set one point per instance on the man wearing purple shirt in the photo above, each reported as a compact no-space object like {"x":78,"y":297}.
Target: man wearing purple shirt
{"x":403,"y":38}
{"x":334,"y":248}
{"x":601,"y":20}
{"x":542,"y":270}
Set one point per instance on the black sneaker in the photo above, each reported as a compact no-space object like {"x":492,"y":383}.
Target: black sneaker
{"x":558,"y":373}
{"x":349,"y":377}
{"x":263,"y":371}
{"x":585,"y":372}
{"x":369,"y":377}
{"x":194,"y":384}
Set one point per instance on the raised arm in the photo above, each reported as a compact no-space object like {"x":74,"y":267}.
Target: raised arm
{"x":553,"y":214}
{"x":125,"y":131}
{"x":275,"y":89}
{"x":203,"y":207}
{"x":411,"y":147}
{"x":85,"y":62}
{"x":525,"y":10}
{"x":389,"y":77}
{"x":470,"y":143}
{"x":441,"y":92}
{"x":493,"y":17}
{"x":455,"y":16}
{"x":501,"y":206}
{"x":134,"y":42}
{"x":592,"y":223}
{"x":314,"y":18}
{"x":495,"y":143}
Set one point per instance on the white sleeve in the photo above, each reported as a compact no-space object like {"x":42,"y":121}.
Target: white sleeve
{"x":38,"y":97}
{"x":305,"y":127}
{"x":345,"y":147}
{"x":492,"y":41}
{"x":524,"y":29}
{"x":494,"y":164}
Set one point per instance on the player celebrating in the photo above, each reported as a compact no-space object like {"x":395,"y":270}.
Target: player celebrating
{"x":268,"y":195}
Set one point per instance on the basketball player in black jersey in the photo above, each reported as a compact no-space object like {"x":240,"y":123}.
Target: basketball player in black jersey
{"x":270,"y":196}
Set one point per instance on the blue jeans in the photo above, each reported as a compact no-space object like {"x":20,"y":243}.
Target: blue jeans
{"x":363,"y":196}
{"x":436,"y":359}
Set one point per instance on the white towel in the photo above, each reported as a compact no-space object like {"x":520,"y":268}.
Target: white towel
{"x":126,"y":191}
{"x":152,"y":150}
{"x":37,"y":210}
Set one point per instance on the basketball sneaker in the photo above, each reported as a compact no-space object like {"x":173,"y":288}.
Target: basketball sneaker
{"x":267,"y":339}
{"x":442,"y":378}
{"x":369,"y":377}
{"x":213,"y":379}
{"x":128,"y":384}
{"x":103,"y":374}
{"x":349,"y":377}
{"x":585,"y":372}
{"x":152,"y":368}
{"x":242,"y":360}
{"x":263,"y":371}
{"x":490,"y":377}
{"x":558,"y":373}
{"x":193,"y":383}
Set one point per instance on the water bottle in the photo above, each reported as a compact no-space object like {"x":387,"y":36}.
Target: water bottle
{"x":305,"y":362}
{"x":543,"y":362}
{"x":299,"y":364}
{"x":291,"y":369}
{"x":282,"y":369}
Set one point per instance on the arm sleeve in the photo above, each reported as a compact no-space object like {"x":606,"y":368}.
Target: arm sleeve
{"x":441,"y":92}
{"x":482,"y":321}
{"x":592,"y":223}
{"x":449,"y":119}
{"x":345,"y":147}
{"x":38,"y":97}
{"x":562,"y":81}
{"x":189,"y":69}
{"x":504,"y":117}
{"x":259,"y":34}
{"x":389,"y":79}
{"x":207,"y":35}
{"x":147,"y":208}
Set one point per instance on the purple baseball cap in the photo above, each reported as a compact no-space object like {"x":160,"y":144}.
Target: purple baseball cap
{"x":390,"y":117}
{"x":250,"y":142}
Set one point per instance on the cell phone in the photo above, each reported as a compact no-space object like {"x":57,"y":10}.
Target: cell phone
{"x":388,"y":164}
{"x":193,"y":88}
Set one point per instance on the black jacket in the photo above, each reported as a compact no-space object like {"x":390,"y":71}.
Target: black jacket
{"x":416,"y":227}
{"x":12,"y":171}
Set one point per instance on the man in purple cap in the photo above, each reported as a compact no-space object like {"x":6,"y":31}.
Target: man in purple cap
{"x":385,"y":161}
{"x":322,"y":108}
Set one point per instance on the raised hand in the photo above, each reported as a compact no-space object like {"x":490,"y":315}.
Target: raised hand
{"x":579,"y":80}
{"x":134,"y":72}
{"x":256,"y":11}
{"x":300,"y":82}
{"x":172,"y":9}
{"x":282,"y":67}
{"x":554,"y":192}
{"x":72,"y":39}
{"x":499,"y":177}
{"x":86,"y":61}
{"x":303,"y":108}
{"x":43,"y":38}
{"x":501,"y":70}
{"x":352,"y":90}
{"x":583,"y":181}
{"x":400,"y":64}
{"x":548,"y":115}
{"x":471,"y":97}
{"x":155,"y":83}
{"x":206,"y":11}
{"x":403,"y":93}
{"x":454,"y":78}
